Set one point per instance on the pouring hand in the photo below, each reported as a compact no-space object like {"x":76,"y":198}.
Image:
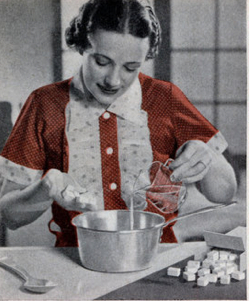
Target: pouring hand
{"x":197,"y":162}
{"x":67,"y":192}
{"x":193,"y":160}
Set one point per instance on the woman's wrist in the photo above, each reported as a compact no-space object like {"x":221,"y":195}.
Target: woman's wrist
{"x":47,"y":184}
{"x":219,"y":184}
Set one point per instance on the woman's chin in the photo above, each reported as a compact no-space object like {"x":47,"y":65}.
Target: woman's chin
{"x":106,"y":99}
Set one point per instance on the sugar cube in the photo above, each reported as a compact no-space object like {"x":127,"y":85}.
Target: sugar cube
{"x":202,"y":281}
{"x":232,"y":257}
{"x":223,"y":255}
{"x":221,"y":263}
{"x":219,"y":273}
{"x":230,"y":263}
{"x":237,"y":275}
{"x":193,"y":263}
{"x":236,"y":267}
{"x":213,"y":255}
{"x":212,"y":278}
{"x":215,"y":268}
{"x":225,"y":279}
{"x":189,"y":276}
{"x":69,"y":193}
{"x":207,"y":263}
{"x":203,"y":272}
{"x":174,"y":271}
{"x":229,"y":269}
{"x":191,"y":269}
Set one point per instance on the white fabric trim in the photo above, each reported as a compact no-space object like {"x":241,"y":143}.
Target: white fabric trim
{"x":82,"y":124}
{"x":218,"y":143}
{"x":128,"y":106}
{"x":17,"y":173}
{"x":135,"y":154}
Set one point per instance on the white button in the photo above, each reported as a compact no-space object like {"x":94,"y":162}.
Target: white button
{"x":113,"y":186}
{"x":106,"y":115}
{"x":109,"y":150}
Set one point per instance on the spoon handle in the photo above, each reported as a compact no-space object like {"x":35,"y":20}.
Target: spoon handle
{"x":202,"y":210}
{"x":11,"y":265}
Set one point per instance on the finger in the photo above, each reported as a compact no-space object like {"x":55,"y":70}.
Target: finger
{"x":79,"y":205}
{"x":200,"y":156}
{"x":196,"y":178}
{"x":188,"y":151}
{"x":186,"y":171}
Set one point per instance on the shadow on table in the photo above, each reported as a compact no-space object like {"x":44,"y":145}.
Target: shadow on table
{"x":160,"y":286}
{"x":71,"y":253}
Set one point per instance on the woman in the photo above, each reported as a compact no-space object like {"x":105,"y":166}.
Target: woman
{"x":79,"y":144}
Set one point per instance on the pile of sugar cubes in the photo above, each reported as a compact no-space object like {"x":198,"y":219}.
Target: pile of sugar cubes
{"x":218,"y":266}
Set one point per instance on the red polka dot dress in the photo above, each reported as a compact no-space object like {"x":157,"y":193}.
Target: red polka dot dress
{"x":126,"y":137}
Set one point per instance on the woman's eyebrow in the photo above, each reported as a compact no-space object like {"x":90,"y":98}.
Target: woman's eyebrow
{"x":134,"y":63}
{"x":102,"y":55}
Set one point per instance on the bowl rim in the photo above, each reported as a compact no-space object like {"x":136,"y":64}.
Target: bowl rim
{"x":159,"y":225}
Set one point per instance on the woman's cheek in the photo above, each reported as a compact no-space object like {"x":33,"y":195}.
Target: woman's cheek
{"x":129,"y":77}
{"x":99,"y":72}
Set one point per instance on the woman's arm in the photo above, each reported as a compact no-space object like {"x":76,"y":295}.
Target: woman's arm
{"x":219,"y":184}
{"x":197,"y":163}
{"x":19,"y":207}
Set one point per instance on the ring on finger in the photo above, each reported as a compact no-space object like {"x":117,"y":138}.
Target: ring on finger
{"x":205,"y":166}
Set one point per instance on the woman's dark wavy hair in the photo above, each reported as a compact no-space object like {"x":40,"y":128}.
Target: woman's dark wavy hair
{"x":122,"y":16}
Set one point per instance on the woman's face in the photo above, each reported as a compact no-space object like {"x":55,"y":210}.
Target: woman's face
{"x":112,"y":63}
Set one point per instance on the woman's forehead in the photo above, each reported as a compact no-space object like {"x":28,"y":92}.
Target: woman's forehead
{"x":114,"y":45}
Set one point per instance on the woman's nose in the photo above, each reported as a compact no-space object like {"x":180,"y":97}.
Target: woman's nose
{"x":113,"y":79}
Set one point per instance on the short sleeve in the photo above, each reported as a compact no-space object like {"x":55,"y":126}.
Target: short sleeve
{"x":25,"y":145}
{"x":18,"y":174}
{"x":190,"y":124}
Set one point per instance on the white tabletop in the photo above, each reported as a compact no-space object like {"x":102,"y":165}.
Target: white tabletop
{"x":62,"y":266}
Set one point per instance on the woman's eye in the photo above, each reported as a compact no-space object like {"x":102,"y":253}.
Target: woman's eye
{"x":132,"y":68}
{"x":101,"y":62}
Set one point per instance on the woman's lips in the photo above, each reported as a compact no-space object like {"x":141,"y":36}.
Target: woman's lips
{"x":107,"y":90}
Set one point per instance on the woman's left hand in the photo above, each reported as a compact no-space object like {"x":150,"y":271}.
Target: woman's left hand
{"x":193,"y":160}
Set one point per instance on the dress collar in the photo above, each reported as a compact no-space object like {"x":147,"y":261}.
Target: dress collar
{"x":127,"y":106}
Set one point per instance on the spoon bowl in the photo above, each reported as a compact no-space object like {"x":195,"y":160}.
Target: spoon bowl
{"x":35,"y":285}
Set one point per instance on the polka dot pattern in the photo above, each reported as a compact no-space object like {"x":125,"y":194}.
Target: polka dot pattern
{"x":135,"y":153}
{"x":17,"y":173}
{"x":84,"y":146}
{"x":218,"y":143}
{"x":37,"y":139}
{"x":42,"y":139}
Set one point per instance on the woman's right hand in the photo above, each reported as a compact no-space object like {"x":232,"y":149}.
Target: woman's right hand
{"x":67,"y":192}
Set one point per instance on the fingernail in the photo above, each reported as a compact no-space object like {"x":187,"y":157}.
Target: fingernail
{"x":170,"y":166}
{"x":175,"y":178}
{"x":172,"y":178}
